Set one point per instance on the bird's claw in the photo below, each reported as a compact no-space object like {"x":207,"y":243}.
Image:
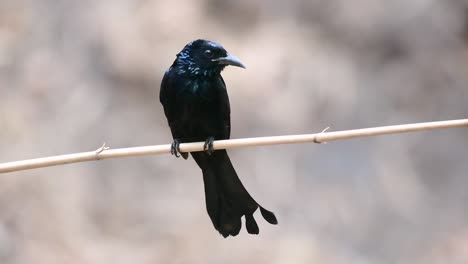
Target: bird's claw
{"x":208,"y":146}
{"x":175,"y":148}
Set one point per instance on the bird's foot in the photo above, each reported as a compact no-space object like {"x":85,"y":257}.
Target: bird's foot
{"x":208,"y":146}
{"x":175,"y":148}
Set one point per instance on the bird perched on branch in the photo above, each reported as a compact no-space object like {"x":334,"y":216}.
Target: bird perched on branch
{"x":196,"y":105}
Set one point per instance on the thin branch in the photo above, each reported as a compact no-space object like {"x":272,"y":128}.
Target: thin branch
{"x":105,"y":153}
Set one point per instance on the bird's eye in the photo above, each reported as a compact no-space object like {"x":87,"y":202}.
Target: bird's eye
{"x":208,"y":54}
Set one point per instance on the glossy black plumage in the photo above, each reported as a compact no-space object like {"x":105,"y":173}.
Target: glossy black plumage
{"x":196,"y":105}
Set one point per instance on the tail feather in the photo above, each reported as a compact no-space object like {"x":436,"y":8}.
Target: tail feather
{"x":269,"y":216}
{"x":227,"y":200}
{"x":251,"y":224}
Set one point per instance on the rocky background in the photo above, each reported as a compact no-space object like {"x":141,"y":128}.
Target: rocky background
{"x":75,"y":74}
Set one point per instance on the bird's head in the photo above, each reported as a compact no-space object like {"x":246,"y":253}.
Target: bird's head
{"x":205,"y":58}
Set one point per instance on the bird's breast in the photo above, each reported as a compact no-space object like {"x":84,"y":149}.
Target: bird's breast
{"x":199,"y":91}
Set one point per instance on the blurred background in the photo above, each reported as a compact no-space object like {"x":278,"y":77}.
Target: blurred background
{"x":75,"y":74}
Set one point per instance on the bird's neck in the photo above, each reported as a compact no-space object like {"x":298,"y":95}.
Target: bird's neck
{"x":187,"y":67}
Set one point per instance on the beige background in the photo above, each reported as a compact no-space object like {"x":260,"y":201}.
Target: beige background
{"x":74,"y":74}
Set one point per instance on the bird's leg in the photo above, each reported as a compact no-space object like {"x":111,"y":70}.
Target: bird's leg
{"x":208,"y":146}
{"x":175,"y":147}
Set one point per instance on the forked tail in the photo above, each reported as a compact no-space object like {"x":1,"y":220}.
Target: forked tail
{"x":227,"y":200}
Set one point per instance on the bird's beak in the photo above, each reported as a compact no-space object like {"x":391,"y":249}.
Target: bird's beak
{"x":230,"y":60}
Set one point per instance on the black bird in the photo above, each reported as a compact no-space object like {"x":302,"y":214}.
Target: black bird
{"x":196,"y":105}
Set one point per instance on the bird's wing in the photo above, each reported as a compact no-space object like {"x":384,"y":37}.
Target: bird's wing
{"x":167,"y":97}
{"x":224,"y":109}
